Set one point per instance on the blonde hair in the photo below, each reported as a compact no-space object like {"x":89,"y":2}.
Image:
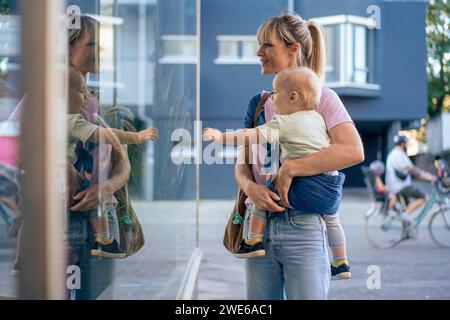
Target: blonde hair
{"x":305,"y":82}
{"x":87,"y":25}
{"x":290,"y":29}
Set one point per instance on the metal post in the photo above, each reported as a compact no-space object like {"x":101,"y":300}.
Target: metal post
{"x":43,"y":151}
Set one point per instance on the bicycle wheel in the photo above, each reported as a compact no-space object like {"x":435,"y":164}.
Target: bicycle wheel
{"x":383,"y":229}
{"x":439,"y":227}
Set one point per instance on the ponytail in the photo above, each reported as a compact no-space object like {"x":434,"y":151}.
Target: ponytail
{"x":316,"y":60}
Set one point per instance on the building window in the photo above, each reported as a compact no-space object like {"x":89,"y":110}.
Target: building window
{"x":228,"y":49}
{"x":237,"y":50}
{"x":332,"y":53}
{"x":179,"y":49}
{"x":360,"y":68}
{"x":349,"y":42}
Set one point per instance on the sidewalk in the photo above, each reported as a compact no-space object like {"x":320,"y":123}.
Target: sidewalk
{"x":415,"y":269}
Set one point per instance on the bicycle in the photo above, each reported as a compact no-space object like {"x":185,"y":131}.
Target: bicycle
{"x":386,"y":228}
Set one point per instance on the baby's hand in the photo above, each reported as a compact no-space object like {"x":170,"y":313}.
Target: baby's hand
{"x":210,"y":134}
{"x":148,"y":134}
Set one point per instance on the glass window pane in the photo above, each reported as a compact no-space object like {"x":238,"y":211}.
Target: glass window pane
{"x":142,"y":91}
{"x":37,"y":102}
{"x":179,"y":47}
{"x":360,"y":74}
{"x":10,"y":98}
{"x":332,"y":46}
{"x":349,"y":51}
{"x":329,"y":45}
{"x":249,"y":49}
{"x":189,"y":48}
{"x":228,"y":49}
{"x":173,"y":48}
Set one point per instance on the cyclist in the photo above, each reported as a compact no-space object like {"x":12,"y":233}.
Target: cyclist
{"x":399,"y":169}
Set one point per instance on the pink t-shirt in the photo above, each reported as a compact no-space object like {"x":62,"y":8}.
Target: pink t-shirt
{"x":101,"y":153}
{"x":332,"y":110}
{"x":10,"y":137}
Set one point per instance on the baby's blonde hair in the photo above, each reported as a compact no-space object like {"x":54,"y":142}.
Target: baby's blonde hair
{"x":305,"y":82}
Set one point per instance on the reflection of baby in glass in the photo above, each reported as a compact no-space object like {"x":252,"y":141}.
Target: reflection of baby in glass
{"x":301,"y":131}
{"x":81,"y":131}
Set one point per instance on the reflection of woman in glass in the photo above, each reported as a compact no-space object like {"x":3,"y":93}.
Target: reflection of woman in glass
{"x":84,"y":56}
{"x":80,"y":130}
{"x":111,"y":169}
{"x":296,"y":264}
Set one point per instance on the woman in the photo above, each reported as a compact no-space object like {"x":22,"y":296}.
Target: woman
{"x":84,"y":56}
{"x":111,"y":171}
{"x":296,"y":265}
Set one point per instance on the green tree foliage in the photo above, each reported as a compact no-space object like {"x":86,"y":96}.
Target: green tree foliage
{"x":438,"y":45}
{"x":4,"y":8}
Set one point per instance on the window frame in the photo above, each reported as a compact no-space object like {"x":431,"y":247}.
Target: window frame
{"x":239,"y":58}
{"x":182,"y":39}
{"x":344,"y":48}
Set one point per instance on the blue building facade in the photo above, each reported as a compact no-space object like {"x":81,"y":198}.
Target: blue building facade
{"x":378,"y":70}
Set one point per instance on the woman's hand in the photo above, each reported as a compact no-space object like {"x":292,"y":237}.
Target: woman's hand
{"x":210,"y":134}
{"x":91,"y":198}
{"x":263,"y":198}
{"x":282,"y":183}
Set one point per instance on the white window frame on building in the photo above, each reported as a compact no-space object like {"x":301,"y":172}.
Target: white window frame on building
{"x":350,"y":51}
{"x":184,"y":43}
{"x":237,"y":49}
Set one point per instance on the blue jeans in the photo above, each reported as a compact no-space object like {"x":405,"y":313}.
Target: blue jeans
{"x":96,"y":273}
{"x":296,"y":265}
